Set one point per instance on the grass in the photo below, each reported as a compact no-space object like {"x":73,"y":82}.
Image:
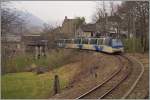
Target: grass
{"x":53,"y":60}
{"x":24,"y":85}
{"x":18,"y":63}
{"x":28,"y":85}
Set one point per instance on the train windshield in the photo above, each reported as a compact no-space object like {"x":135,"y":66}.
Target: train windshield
{"x":116,"y":43}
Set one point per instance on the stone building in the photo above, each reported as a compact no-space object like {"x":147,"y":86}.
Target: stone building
{"x":69,"y":27}
{"x":87,"y":30}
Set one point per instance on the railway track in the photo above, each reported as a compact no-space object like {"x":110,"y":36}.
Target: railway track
{"x":127,"y":89}
{"x":103,"y":89}
{"x":136,"y":81}
{"x":122,"y":78}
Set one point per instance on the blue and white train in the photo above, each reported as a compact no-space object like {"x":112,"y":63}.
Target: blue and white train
{"x":103,"y":44}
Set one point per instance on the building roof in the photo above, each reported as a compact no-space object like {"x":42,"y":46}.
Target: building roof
{"x":88,"y":27}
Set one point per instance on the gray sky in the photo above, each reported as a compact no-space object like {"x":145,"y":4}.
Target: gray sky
{"x":55,"y":11}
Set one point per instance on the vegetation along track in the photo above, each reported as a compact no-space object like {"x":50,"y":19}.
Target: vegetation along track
{"x":111,"y":82}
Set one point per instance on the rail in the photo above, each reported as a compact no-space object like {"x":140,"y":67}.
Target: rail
{"x":106,"y":81}
{"x":137,"y":80}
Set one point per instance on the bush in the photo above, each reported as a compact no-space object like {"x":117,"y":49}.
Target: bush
{"x":54,"y":59}
{"x":18,"y":63}
{"x":132,"y":45}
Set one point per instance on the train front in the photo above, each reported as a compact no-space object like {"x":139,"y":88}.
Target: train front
{"x":117,"y":46}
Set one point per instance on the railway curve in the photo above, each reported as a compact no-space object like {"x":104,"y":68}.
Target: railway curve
{"x":98,"y":91}
{"x":110,"y":83}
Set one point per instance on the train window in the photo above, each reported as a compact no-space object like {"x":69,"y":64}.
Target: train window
{"x":93,"y":41}
{"x":106,"y":41}
{"x":85,"y":41}
{"x":100,"y":41}
{"x":103,"y":41}
{"x":77,"y":41}
{"x":116,"y":42}
{"x":110,"y":42}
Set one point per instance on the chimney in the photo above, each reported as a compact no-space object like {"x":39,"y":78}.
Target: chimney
{"x":65,"y":17}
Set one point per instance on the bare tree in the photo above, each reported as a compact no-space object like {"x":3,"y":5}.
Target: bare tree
{"x":100,"y":17}
{"x":107,"y":19}
{"x":10,"y":21}
{"x":10,"y":18}
{"x":112,"y":8}
{"x":135,"y":18}
{"x":52,"y":34}
{"x":142,"y":13}
{"x":47,"y":28}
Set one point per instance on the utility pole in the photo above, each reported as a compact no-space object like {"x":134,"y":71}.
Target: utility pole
{"x":105,"y":18}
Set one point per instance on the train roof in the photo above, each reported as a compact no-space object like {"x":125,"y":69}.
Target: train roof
{"x":94,"y":38}
{"x":104,"y":37}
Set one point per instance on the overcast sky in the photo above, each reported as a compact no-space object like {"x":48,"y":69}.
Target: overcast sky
{"x":55,"y":11}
